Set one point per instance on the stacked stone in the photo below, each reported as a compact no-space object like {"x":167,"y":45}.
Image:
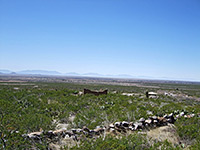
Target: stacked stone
{"x":117,"y":127}
{"x":153,"y":121}
{"x":185,"y":114}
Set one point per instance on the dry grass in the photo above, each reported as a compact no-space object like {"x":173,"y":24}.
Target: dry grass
{"x":164,"y":133}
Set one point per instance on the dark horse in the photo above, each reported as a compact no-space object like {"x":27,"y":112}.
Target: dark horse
{"x":97,"y":93}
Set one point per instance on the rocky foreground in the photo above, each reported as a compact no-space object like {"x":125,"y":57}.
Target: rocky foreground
{"x":63,"y":137}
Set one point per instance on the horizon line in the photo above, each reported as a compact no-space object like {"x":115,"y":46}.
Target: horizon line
{"x":97,"y":75}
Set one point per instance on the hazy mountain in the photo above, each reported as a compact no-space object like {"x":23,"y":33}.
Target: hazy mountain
{"x":124,"y":76}
{"x":41,"y":72}
{"x":4,"y":71}
{"x":72,"y":74}
{"x":13,"y":73}
{"x":46,"y":72}
{"x":93,"y":74}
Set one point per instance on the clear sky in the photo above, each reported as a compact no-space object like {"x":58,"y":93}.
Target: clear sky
{"x":157,"y":38}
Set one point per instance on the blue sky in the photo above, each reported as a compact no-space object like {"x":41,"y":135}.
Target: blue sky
{"x":154,"y":38}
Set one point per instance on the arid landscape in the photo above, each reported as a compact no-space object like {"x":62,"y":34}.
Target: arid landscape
{"x":99,"y":75}
{"x":52,"y":112}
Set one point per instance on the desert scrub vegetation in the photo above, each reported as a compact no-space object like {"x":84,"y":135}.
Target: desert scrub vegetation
{"x":130,"y":142}
{"x":26,"y":108}
{"x":189,"y":131}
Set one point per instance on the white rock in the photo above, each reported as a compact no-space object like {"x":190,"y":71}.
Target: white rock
{"x":141,"y":120}
{"x":117,"y":124}
{"x":138,"y":125}
{"x":149,"y":112}
{"x":131,"y":128}
{"x":148,"y":121}
{"x":111,"y":125}
{"x":125,"y":123}
{"x":182,"y":114}
{"x":155,"y":121}
{"x":192,"y":115}
{"x":170,"y":115}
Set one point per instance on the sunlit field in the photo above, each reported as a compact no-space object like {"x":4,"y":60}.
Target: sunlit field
{"x":27,"y":107}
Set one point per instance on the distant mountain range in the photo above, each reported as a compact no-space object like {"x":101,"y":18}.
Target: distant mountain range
{"x":45,"y":72}
{"x":26,"y":72}
{"x":3,"y":71}
{"x":55,"y":73}
{"x":41,"y":72}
